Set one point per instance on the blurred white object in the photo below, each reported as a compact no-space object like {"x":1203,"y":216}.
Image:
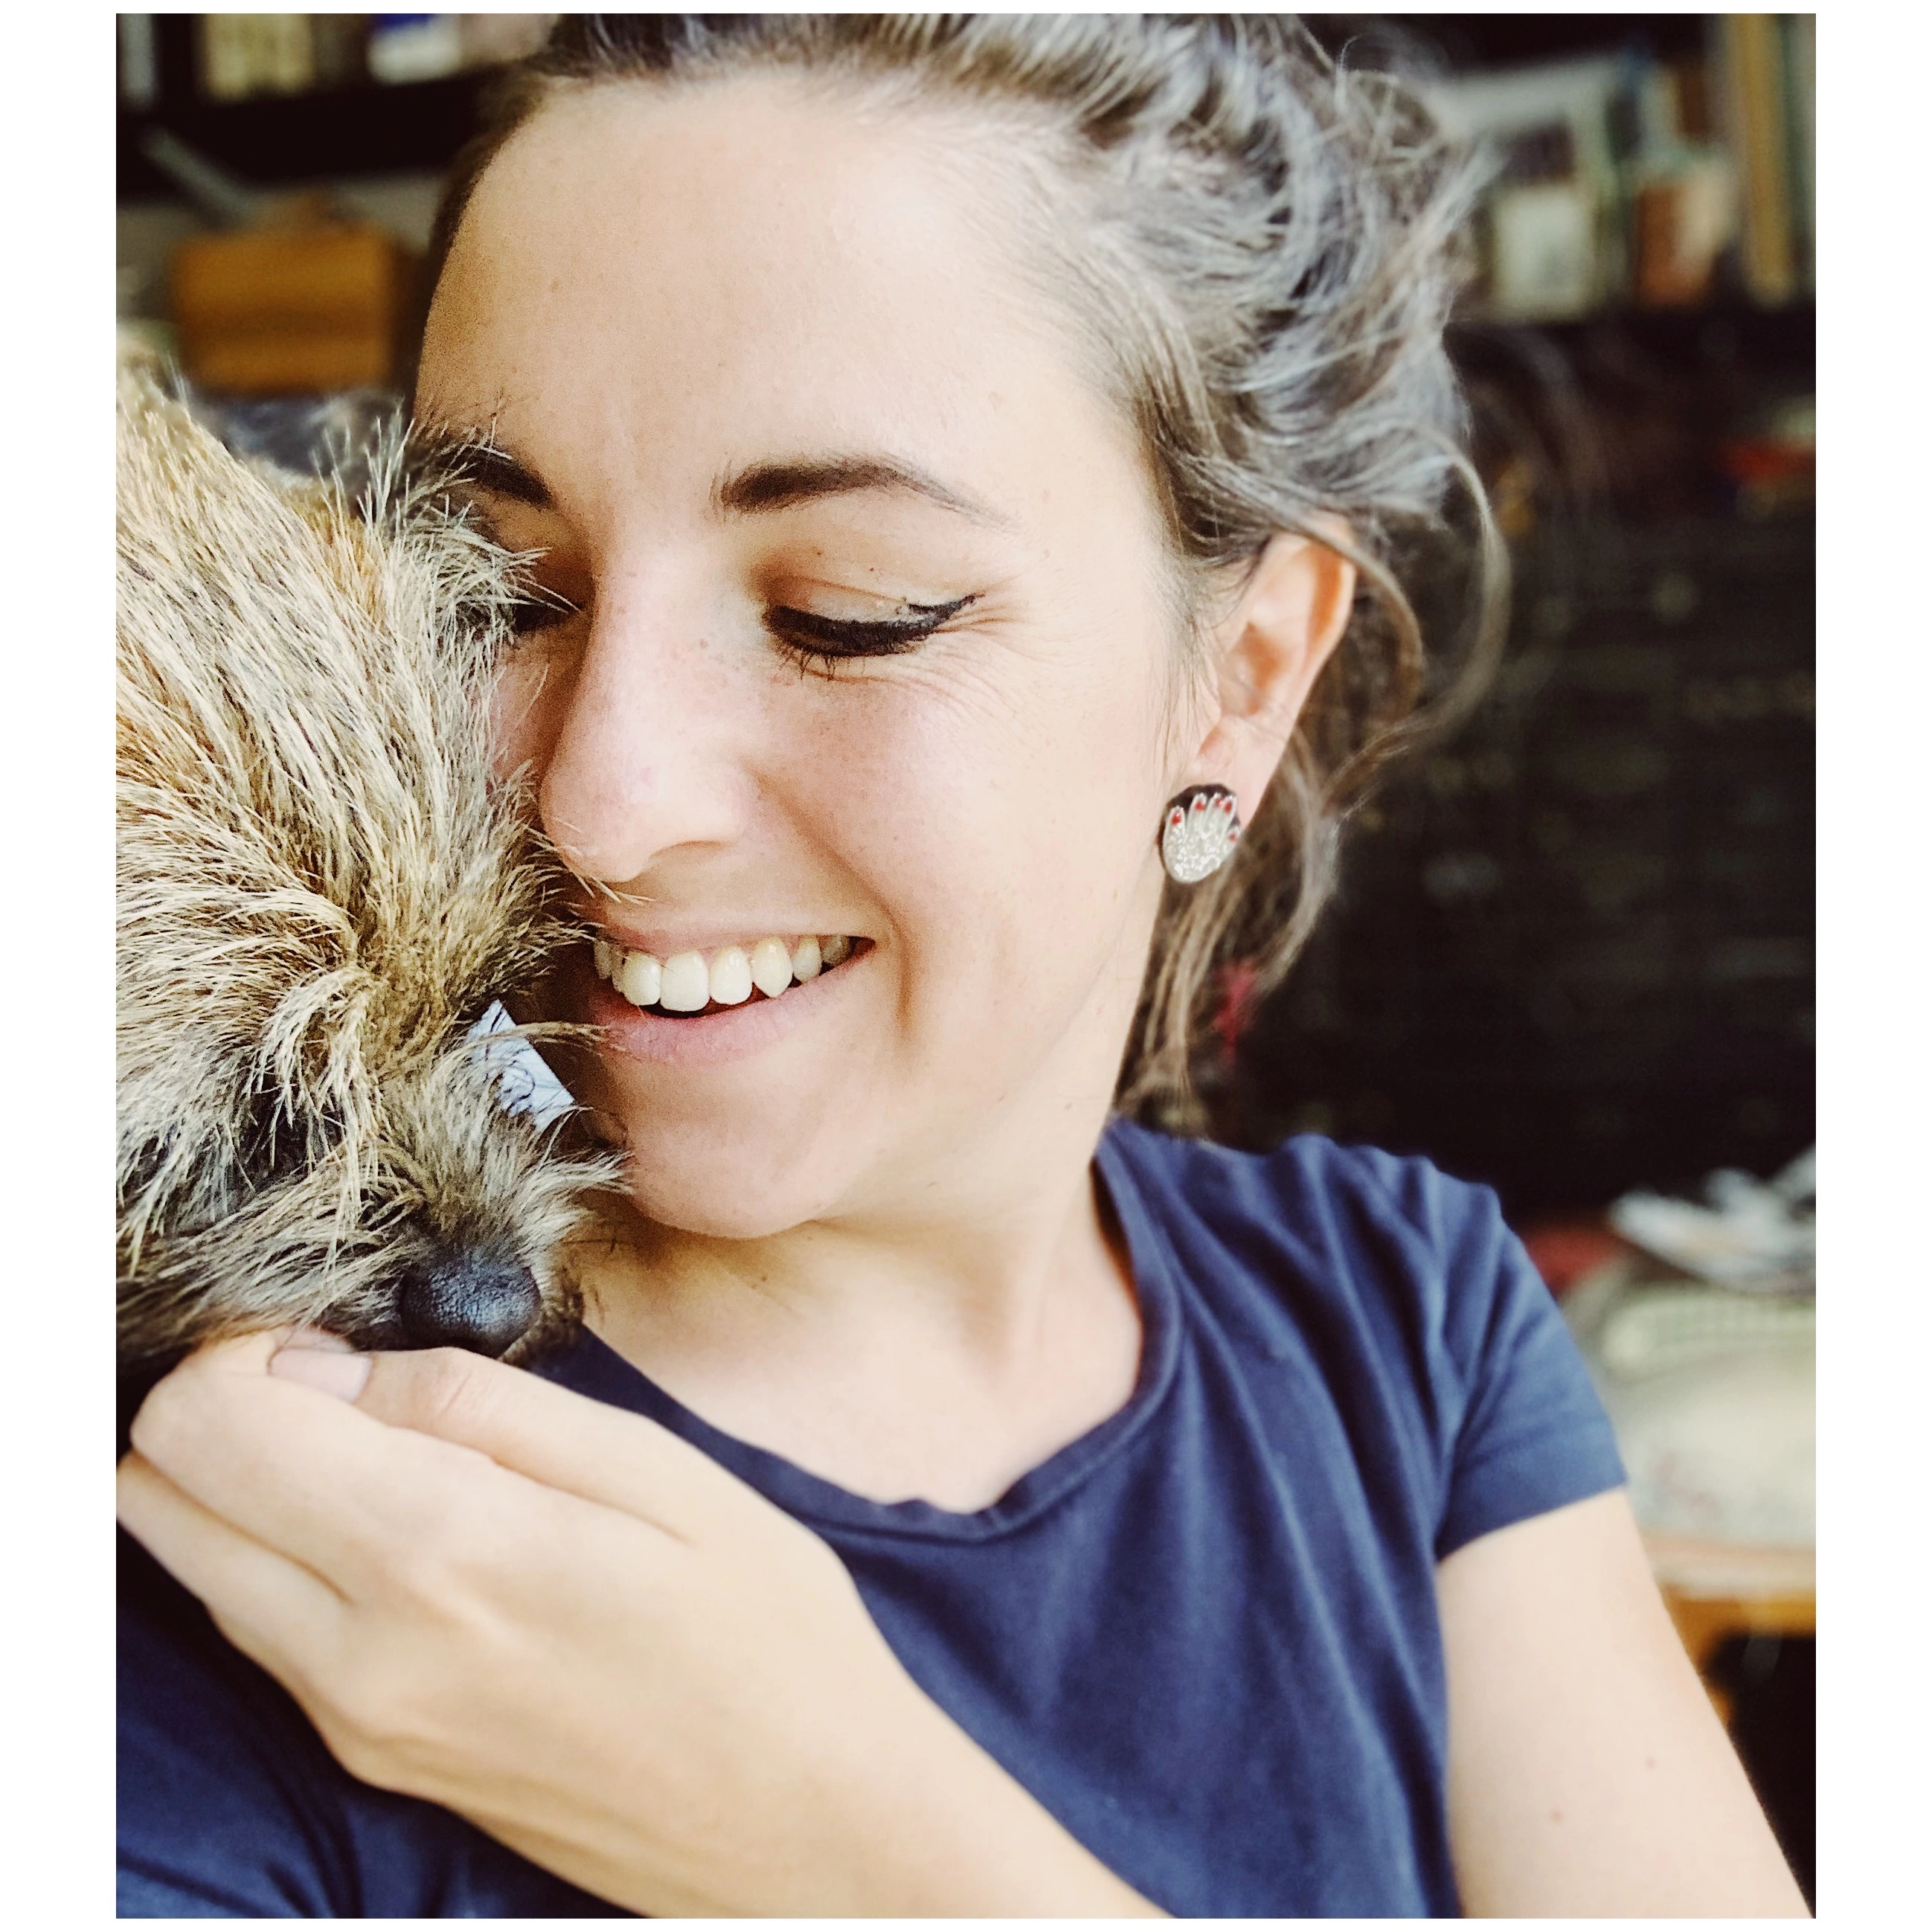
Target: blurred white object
{"x":1543,"y":250}
{"x":1489,"y":108}
{"x":489,"y":38}
{"x":1651,"y":1330}
{"x":1751,"y":1235}
{"x":140,"y":61}
{"x":1798,"y":1183}
{"x":1713,"y":1396}
{"x":406,"y":47}
{"x":525,"y":1083}
{"x":1725,"y":1447}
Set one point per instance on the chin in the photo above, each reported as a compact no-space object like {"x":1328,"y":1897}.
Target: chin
{"x":732,"y":1188}
{"x":737,"y":1165}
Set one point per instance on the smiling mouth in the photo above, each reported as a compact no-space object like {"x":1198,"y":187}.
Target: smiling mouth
{"x":689,"y":985}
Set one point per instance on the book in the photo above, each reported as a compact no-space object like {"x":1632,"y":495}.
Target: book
{"x":1755,"y":117}
{"x":245,"y":54}
{"x":1800,"y":74}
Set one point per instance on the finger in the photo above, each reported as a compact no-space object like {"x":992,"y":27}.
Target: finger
{"x":323,"y":1363}
{"x":311,"y":1477}
{"x":275,"y":1610}
{"x":558,"y":1438}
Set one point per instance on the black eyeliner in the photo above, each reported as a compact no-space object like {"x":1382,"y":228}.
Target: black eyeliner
{"x":876,"y":638}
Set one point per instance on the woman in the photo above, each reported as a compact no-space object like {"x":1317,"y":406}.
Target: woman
{"x":953,"y":447}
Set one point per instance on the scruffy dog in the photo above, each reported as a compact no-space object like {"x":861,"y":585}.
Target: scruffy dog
{"x":321,"y":893}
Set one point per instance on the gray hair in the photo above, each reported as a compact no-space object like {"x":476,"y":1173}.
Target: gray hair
{"x":1263,"y":256}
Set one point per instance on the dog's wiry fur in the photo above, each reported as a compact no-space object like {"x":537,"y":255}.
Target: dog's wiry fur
{"x":319,"y":890}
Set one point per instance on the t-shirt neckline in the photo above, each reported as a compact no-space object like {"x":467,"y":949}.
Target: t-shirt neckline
{"x":591,"y":1367}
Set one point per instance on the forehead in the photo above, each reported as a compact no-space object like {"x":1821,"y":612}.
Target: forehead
{"x":751,"y":257}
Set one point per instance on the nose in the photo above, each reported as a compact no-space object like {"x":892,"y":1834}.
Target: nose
{"x":471,"y":1298}
{"x":650,"y":754}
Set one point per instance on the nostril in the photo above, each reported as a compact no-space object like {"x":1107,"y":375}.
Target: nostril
{"x":468,"y":1299}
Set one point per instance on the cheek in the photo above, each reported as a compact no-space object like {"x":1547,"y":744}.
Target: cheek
{"x":1008,"y":810}
{"x":525,"y":714}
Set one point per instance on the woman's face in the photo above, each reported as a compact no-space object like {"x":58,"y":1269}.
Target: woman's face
{"x":772,"y":388}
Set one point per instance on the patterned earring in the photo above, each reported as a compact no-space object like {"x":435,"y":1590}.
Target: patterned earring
{"x":1198,"y":831}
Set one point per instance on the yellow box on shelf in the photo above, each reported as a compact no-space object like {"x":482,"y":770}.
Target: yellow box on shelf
{"x":263,"y":311}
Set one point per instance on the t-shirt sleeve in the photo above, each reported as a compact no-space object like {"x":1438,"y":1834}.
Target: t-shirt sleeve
{"x":1530,"y":1434}
{"x":1512,"y":1425}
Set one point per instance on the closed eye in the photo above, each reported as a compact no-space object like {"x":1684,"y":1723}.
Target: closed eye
{"x":807,"y":635}
{"x":804,"y":633}
{"x":537,"y":609}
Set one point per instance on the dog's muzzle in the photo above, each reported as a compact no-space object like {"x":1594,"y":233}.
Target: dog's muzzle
{"x":480,"y":1301}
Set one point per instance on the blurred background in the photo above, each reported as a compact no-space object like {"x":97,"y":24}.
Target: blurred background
{"x":1572,"y":956}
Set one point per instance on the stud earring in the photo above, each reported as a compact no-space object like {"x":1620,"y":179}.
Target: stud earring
{"x":1198,"y":831}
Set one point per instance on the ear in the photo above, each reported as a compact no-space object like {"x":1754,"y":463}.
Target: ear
{"x":1269,"y":651}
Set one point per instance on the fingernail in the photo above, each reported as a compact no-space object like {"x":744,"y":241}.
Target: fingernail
{"x":306,"y":1337}
{"x":333,"y":1368}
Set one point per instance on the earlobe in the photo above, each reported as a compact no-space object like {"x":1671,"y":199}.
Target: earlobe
{"x":1290,"y":616}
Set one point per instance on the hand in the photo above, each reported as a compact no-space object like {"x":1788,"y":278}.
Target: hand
{"x":568,"y":1625}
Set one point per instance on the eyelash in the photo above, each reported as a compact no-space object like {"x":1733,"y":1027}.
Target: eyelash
{"x":801,"y":634}
{"x":538,"y":611}
{"x":826,"y":642}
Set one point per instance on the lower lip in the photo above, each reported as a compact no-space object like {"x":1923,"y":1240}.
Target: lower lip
{"x":710,"y":1040}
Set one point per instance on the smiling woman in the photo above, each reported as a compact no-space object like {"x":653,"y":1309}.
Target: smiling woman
{"x":942,"y":447}
{"x":817,"y":440}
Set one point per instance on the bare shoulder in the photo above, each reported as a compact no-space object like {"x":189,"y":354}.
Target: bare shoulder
{"x":1589,"y":1775}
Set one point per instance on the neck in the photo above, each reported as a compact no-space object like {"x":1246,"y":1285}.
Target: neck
{"x":937,"y":1344}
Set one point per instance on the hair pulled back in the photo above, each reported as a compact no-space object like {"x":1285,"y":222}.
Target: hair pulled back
{"x":1259,"y":243}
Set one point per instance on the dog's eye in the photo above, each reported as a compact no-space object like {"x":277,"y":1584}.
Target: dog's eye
{"x":274,"y":1145}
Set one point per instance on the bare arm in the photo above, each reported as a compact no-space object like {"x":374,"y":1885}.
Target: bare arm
{"x":1589,"y":1775}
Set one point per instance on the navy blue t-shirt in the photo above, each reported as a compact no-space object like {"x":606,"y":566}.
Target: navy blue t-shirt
{"x":1204,"y":1635}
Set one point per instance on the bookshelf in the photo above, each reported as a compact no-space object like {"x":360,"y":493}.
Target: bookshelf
{"x":340,"y":135}
{"x":1645,"y":161}
{"x":353,"y":127}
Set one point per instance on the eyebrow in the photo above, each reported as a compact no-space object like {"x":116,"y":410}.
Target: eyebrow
{"x":487,"y":467}
{"x":761,"y":486}
{"x":777,"y":486}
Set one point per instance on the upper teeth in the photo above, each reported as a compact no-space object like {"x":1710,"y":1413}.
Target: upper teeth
{"x":688,"y":983}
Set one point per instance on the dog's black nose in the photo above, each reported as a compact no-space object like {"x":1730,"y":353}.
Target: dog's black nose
{"x":467,"y":1300}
